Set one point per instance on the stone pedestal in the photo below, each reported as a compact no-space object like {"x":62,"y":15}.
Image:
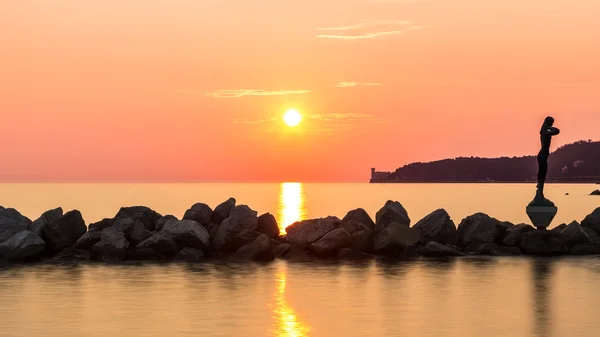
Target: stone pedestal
{"x":541,"y":216}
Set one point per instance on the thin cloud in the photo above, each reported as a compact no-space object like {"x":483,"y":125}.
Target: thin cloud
{"x":348,"y":84}
{"x":237,"y":93}
{"x":367,"y":29}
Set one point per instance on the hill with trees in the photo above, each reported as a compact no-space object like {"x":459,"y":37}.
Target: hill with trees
{"x":576,"y":162}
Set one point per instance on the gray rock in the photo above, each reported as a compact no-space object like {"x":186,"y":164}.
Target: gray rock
{"x":22,"y":245}
{"x":297,"y":254}
{"x":88,"y":240}
{"x":162,"y":243}
{"x":224,"y":240}
{"x":223,"y":211}
{"x":438,"y":227}
{"x":574,"y":235}
{"x":592,"y":235}
{"x":543,"y":242}
{"x":47,"y":217}
{"x":134,"y":230}
{"x":199,"y":212}
{"x":436,"y":249}
{"x":478,"y":227}
{"x":160,"y":223}
{"x":559,"y":228}
{"x":303,"y":233}
{"x":257,"y":250}
{"x":586,"y":249}
{"x":65,"y":231}
{"x":514,"y":234}
{"x":349,"y":254}
{"x":268,"y":225}
{"x":392,"y":211}
{"x":246,"y":216}
{"x":355,"y":219}
{"x":330,"y":243}
{"x":189,"y":254}
{"x":147,"y":216}
{"x":144,"y":254}
{"x":362,"y":240}
{"x":502,"y":227}
{"x":102,"y":224}
{"x":188,"y":233}
{"x":493,"y":249}
{"x":592,"y":220}
{"x":596,"y":192}
{"x":281,"y":250}
{"x":112,"y":245}
{"x":11,"y":223}
{"x":394,"y":238}
{"x":73,"y":255}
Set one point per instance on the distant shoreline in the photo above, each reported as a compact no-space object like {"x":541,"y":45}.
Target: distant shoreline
{"x":483,"y":182}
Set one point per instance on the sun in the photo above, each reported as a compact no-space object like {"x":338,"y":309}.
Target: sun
{"x":292,"y":117}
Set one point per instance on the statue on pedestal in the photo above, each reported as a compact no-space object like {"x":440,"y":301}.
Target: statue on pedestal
{"x":547,"y":131}
{"x":540,"y":210}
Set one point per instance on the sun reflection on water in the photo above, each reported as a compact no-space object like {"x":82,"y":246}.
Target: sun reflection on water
{"x":291,"y":205}
{"x":287,"y":323}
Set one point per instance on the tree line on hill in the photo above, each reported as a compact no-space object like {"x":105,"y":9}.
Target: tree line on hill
{"x":579,"y":161}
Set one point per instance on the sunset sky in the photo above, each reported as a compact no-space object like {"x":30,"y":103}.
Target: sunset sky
{"x":181,"y":90}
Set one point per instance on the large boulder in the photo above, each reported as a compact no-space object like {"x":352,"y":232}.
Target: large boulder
{"x":586,"y":249}
{"x":222,"y":211}
{"x":543,"y":242}
{"x":113,"y":245}
{"x":559,"y":228}
{"x":11,"y":223}
{"x":575,"y":235}
{"x":189,"y":254}
{"x":592,"y":235}
{"x":514,"y":234}
{"x":144,"y":254}
{"x":257,"y":250}
{"x":281,"y":250}
{"x":22,"y":245}
{"x":349,"y":254}
{"x":592,"y":220}
{"x":478,"y":227}
{"x":438,"y":227}
{"x":134,"y":230}
{"x":436,"y":249}
{"x":65,"y":231}
{"x":268,"y":225}
{"x":88,"y":240}
{"x":362,"y":240}
{"x":357,"y":219}
{"x":162,"y":243}
{"x":102,"y":224}
{"x":199,"y":212}
{"x":160,"y":223}
{"x":596,"y":192}
{"x":330,"y":243}
{"x":392,"y":211}
{"x":502,"y":228}
{"x":394,"y":238}
{"x":242,"y":218}
{"x":188,"y":233}
{"x":147,"y":216}
{"x":493,"y":249}
{"x":303,"y":233}
{"x":47,"y":217}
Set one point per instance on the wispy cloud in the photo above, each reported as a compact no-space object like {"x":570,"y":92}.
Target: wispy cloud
{"x":347,"y":84}
{"x":237,"y":93}
{"x":368,"y":29}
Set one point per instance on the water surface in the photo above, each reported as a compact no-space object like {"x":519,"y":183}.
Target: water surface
{"x":509,"y":297}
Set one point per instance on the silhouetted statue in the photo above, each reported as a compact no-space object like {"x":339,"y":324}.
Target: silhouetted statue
{"x":546,"y":133}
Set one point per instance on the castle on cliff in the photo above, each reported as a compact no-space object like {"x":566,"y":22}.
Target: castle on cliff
{"x":379,"y":176}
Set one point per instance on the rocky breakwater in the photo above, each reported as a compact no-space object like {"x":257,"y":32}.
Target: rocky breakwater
{"x":237,"y":232}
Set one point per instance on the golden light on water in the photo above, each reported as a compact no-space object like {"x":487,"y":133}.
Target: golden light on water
{"x":287,"y":322}
{"x":291,"y":205}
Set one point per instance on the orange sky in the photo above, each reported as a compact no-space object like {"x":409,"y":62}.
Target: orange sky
{"x":144,"y":90}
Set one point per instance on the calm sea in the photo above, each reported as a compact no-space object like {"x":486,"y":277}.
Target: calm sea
{"x":481,"y":296}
